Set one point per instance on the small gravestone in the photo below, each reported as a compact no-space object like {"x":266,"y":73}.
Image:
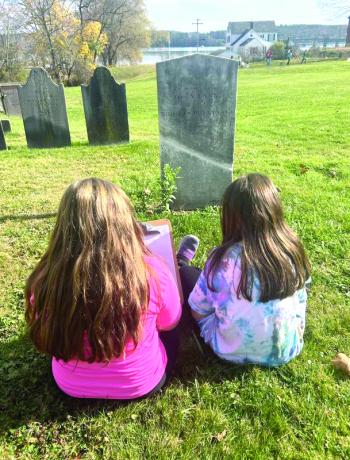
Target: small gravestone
{"x":197,"y":107}
{"x":10,"y":98}
{"x":44,"y":111}
{"x":2,"y":105}
{"x":2,"y":139}
{"x":6,"y":126}
{"x":105,"y":108}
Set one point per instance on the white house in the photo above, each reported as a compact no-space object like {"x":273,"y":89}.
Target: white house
{"x":249,"y":43}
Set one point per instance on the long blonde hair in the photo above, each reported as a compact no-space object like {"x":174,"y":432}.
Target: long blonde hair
{"x":92,"y":280}
{"x":252,"y":215}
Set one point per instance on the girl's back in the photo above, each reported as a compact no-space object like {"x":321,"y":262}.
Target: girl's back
{"x":242,"y":331}
{"x":140,"y":368}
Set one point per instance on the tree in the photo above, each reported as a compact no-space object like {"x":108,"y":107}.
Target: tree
{"x":278,"y":50}
{"x":123,"y":21}
{"x":49,"y":24}
{"x":11,"y":43}
{"x":128,"y":32}
{"x":339,"y":9}
{"x":61,"y":42}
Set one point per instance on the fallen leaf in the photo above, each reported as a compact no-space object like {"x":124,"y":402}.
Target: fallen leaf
{"x":342,"y":362}
{"x":220,"y":436}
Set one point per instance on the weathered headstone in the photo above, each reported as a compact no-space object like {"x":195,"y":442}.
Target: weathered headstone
{"x":2,"y":139}
{"x":197,"y":109}
{"x":105,"y":109}
{"x":10,"y":98}
{"x":2,"y":105}
{"x":6,"y":126}
{"x":44,"y":111}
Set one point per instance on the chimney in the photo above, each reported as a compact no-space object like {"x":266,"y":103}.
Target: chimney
{"x":252,"y":25}
{"x":348,"y":35}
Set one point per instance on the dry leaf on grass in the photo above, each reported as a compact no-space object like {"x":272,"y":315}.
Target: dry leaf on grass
{"x":219,"y":437}
{"x":342,"y":362}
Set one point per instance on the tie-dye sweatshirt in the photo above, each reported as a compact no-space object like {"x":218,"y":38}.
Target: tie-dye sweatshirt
{"x":241,"y":331}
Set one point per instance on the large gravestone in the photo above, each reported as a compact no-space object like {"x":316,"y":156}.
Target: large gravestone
{"x":44,"y":111}
{"x":2,"y":139}
{"x":197,"y":106}
{"x":10,"y":98}
{"x":105,"y":109}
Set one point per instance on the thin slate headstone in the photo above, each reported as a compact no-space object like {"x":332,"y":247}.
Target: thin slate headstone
{"x":6,"y":126}
{"x":2,"y":139}
{"x":10,"y":99}
{"x":2,"y":104}
{"x":105,"y":108}
{"x":44,"y":111}
{"x":197,"y":111}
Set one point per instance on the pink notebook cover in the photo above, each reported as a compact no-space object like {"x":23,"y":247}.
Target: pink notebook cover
{"x":162,"y":245}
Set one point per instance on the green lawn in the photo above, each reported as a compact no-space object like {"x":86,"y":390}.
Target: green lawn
{"x":293,"y":124}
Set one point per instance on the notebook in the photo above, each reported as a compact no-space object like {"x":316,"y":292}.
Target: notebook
{"x":158,"y":237}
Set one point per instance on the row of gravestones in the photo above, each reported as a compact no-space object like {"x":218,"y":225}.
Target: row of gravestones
{"x":197,"y":111}
{"x":44,"y":114}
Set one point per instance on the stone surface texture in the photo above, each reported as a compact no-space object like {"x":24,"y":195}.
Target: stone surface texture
{"x":6,"y":126}
{"x":10,"y":98}
{"x":44,"y":111}
{"x":2,"y":139}
{"x":197,"y":110}
{"x":105,"y":108}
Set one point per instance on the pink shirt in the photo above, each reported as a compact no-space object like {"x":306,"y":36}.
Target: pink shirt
{"x":139,"y":370}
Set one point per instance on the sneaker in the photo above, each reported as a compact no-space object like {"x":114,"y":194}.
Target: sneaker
{"x":187,"y":249}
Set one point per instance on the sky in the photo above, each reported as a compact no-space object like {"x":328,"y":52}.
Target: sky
{"x":215,"y":14}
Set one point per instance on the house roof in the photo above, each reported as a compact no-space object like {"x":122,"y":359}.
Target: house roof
{"x":239,"y":37}
{"x":259,"y":26}
{"x":246,"y":42}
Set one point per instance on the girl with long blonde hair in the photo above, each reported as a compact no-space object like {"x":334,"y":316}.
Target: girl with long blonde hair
{"x":99,"y":303}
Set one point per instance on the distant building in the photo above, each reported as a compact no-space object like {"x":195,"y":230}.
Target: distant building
{"x":265,"y":29}
{"x":348,"y":35}
{"x":249,"y":40}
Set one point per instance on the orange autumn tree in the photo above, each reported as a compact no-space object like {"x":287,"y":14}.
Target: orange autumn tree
{"x":62,"y":44}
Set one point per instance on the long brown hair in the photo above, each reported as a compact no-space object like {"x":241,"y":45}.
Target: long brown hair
{"x":92,"y":280}
{"x":252,"y":215}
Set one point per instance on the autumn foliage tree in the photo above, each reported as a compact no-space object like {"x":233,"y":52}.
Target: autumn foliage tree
{"x":69,"y":36}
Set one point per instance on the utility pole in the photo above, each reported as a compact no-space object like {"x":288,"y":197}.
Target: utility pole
{"x":169,"y":45}
{"x":197,"y":23}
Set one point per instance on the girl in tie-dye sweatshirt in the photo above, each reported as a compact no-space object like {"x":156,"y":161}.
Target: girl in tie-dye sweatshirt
{"x":250,"y":300}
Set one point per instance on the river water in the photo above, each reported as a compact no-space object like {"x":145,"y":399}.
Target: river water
{"x":154,"y":55}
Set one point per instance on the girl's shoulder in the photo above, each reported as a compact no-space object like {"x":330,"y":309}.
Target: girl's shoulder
{"x":227,"y":270}
{"x":231,"y":257}
{"x":234,"y":252}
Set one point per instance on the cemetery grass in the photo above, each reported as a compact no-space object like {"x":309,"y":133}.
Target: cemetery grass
{"x":292,"y":124}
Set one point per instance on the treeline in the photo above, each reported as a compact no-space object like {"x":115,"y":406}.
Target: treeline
{"x":313,"y":32}
{"x":160,"y":38}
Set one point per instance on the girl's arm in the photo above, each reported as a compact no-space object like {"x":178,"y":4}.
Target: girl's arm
{"x":204,"y":301}
{"x":199,"y":299}
{"x":198,"y":316}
